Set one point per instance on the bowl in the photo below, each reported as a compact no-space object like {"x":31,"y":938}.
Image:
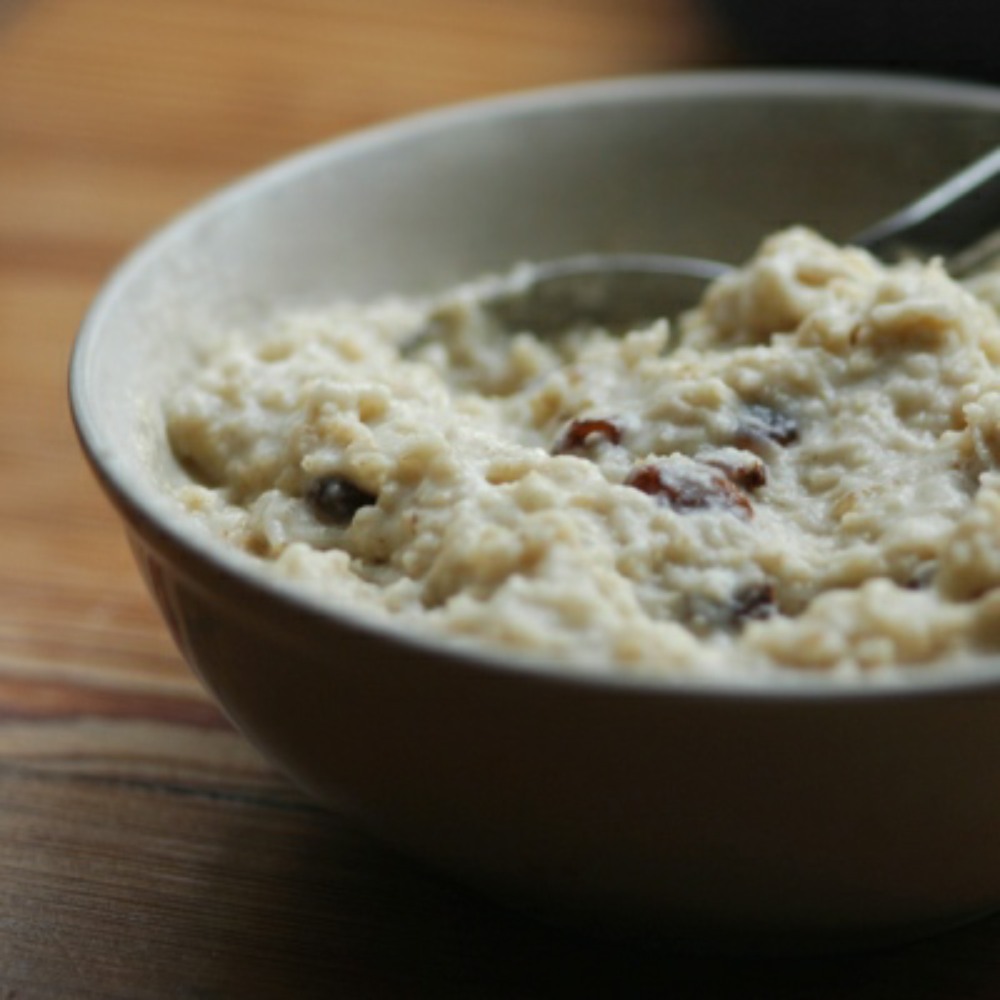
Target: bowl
{"x":811,"y":817}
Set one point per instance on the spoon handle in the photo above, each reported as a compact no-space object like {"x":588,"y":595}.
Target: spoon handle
{"x":956,"y":220}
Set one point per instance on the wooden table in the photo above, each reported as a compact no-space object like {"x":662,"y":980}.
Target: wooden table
{"x":145,"y":849}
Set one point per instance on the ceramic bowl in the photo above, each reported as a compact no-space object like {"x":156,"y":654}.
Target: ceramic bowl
{"x":811,"y":818}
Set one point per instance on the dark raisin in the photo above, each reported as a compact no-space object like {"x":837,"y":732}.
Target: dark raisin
{"x":335,"y":499}
{"x":708,"y":615}
{"x":581,"y":434}
{"x":761,"y":424}
{"x":755,"y":601}
{"x":922,"y":577}
{"x":749,"y":474}
{"x":684,"y":491}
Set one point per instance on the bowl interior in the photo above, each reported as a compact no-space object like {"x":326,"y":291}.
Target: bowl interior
{"x":702,"y":164}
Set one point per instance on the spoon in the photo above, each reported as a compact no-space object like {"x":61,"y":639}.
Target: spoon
{"x":958,"y":220}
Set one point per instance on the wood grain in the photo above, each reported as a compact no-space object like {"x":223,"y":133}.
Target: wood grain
{"x":146,"y":850}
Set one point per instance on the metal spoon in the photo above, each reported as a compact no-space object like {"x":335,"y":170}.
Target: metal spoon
{"x":958,"y":220}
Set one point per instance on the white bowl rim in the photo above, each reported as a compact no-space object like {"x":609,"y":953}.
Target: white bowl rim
{"x":137,"y":502}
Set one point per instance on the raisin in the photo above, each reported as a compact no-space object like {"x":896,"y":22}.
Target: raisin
{"x":922,"y":577}
{"x":762,"y":424}
{"x":754,"y":601}
{"x":335,"y":499}
{"x":684,"y":491}
{"x":751,"y":602}
{"x":580,"y":434}
{"x":748,"y":473}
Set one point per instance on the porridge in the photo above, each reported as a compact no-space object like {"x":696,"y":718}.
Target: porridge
{"x":804,"y":474}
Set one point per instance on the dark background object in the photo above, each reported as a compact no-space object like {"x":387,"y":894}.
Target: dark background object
{"x":945,"y":37}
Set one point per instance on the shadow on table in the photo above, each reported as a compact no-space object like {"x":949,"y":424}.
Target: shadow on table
{"x":383,"y":926}
{"x":118,"y":887}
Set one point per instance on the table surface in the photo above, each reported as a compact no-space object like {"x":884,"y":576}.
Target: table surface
{"x":145,"y":849}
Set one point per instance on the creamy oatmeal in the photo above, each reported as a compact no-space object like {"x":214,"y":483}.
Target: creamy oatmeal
{"x":805,"y":474}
